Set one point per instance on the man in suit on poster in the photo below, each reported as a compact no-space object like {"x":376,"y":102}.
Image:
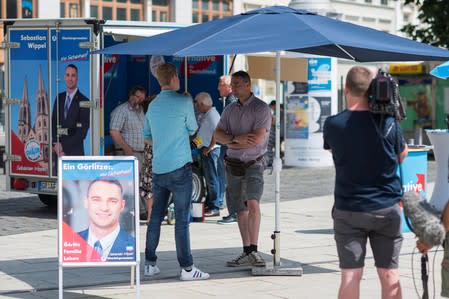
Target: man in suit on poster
{"x":69,"y":116}
{"x":105,"y":203}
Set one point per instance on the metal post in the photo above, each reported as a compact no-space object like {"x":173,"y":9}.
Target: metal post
{"x":186,"y":75}
{"x":276,"y":268}
{"x":60,"y":282}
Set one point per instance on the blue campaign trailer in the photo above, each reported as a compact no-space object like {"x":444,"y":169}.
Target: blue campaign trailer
{"x":36,"y":55}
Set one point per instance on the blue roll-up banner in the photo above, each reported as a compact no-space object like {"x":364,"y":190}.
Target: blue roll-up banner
{"x":414,"y":176}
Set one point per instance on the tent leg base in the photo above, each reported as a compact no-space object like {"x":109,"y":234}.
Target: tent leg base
{"x":284,"y":269}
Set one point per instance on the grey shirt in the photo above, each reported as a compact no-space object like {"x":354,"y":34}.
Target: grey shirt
{"x":208,"y":122}
{"x":238,"y":119}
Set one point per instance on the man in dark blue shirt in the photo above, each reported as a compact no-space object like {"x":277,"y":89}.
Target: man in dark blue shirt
{"x":366,"y":149}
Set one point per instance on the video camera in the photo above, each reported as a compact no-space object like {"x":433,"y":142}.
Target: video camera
{"x":384,"y":97}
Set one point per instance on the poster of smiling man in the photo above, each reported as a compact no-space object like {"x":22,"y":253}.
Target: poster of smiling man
{"x":97,"y":208}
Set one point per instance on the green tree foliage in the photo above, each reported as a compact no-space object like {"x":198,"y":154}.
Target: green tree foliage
{"x":434,"y":22}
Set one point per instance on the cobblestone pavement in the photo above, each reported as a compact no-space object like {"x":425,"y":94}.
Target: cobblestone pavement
{"x":23,"y":212}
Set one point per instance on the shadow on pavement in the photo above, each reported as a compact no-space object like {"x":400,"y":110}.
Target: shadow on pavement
{"x":38,"y":276}
{"x":322,"y":231}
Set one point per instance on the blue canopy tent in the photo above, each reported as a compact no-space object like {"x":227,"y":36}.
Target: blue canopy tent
{"x":281,"y":28}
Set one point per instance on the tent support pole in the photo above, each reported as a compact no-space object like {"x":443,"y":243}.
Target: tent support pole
{"x":232,"y":64}
{"x":186,"y":74}
{"x":277,"y":268}
{"x":278,"y":164}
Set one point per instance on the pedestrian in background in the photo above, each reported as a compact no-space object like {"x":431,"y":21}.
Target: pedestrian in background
{"x":210,"y":151}
{"x":125,"y":127}
{"x":225,"y":91}
{"x":146,"y":177}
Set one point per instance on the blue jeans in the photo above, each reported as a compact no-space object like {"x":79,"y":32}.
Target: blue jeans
{"x":179,"y":183}
{"x":209,"y":164}
{"x":221,"y":172}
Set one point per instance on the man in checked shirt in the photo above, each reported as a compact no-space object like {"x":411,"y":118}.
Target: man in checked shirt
{"x":126,"y":127}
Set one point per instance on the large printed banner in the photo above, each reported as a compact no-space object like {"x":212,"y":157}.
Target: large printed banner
{"x":30,"y":141}
{"x":308,"y":104}
{"x":122,"y":72}
{"x":35,"y":120}
{"x":71,"y":63}
{"x":97,"y":208}
{"x":319,"y":75}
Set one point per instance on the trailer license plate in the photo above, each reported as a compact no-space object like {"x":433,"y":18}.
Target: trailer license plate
{"x":46,"y":186}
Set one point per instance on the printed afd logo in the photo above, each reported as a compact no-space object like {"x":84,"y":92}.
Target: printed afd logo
{"x":418,"y":186}
{"x":33,"y":150}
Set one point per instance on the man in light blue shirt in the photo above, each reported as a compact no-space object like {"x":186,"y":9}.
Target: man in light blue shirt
{"x":169,"y":122}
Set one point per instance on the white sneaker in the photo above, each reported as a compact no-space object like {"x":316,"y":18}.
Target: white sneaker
{"x":194,"y":274}
{"x":151,"y":270}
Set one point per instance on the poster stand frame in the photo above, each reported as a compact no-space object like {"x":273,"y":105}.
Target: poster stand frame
{"x":135,"y":265}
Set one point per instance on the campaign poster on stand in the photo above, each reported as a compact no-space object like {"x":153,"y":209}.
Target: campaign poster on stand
{"x":70,"y":117}
{"x":97,"y":210}
{"x":30,"y":142}
{"x":308,"y":104}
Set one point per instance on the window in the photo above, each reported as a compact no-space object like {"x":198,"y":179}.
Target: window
{"x":352,"y":18}
{"x":12,"y":9}
{"x":160,"y":11}
{"x":206,"y":10}
{"x":27,"y":9}
{"x":117,"y":9}
{"x":94,"y":11}
{"x":384,"y":2}
{"x":71,"y":9}
{"x":368,"y":19}
{"x":160,"y":2}
{"x":215,"y":5}
{"x":135,"y":15}
{"x":107,"y":13}
{"x":121,"y":14}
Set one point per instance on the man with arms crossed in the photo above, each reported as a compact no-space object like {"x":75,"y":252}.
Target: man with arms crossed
{"x":169,"y":122}
{"x":244,"y":128}
{"x":366,"y":149}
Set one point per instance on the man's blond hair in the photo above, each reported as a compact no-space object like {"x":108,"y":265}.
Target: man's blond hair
{"x":165,"y":72}
{"x":358,"y":80}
